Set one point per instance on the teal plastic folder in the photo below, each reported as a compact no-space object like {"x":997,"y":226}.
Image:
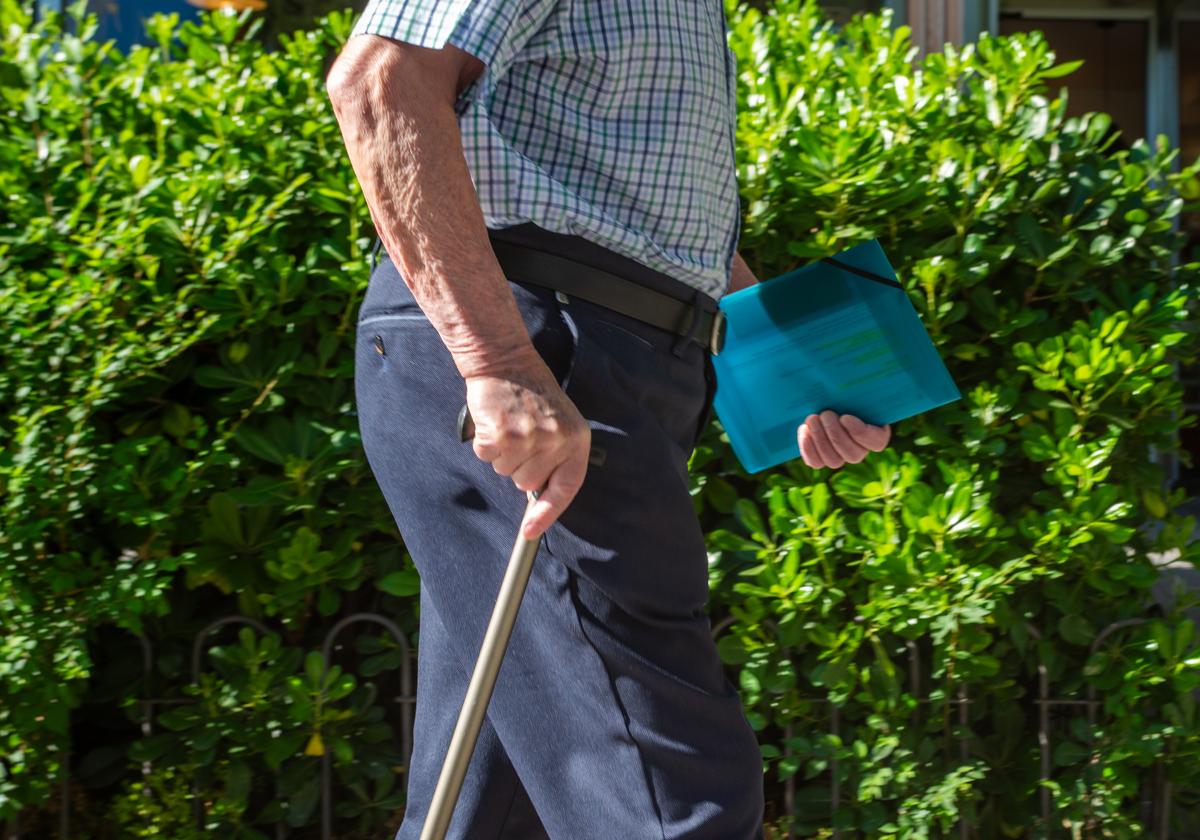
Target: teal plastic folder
{"x":838,"y":334}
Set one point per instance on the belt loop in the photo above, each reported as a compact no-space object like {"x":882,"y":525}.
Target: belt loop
{"x":375,"y":252}
{"x":693,"y":328}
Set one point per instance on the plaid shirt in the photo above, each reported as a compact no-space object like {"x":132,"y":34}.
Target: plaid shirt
{"x":610,"y":119}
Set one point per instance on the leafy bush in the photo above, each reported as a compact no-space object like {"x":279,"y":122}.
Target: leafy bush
{"x":182,"y":252}
{"x":1040,"y":261}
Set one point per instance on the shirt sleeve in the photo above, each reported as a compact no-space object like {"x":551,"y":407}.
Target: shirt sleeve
{"x":494,"y":31}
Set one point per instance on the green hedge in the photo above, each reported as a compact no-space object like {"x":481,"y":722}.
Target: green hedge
{"x":183,"y":250}
{"x":1040,"y":262}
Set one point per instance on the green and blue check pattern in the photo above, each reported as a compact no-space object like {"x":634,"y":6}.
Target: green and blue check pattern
{"x":610,"y":119}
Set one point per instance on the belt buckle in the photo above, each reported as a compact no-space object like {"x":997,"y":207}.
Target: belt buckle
{"x":716,"y":336}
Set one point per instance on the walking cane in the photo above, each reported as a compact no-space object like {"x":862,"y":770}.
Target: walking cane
{"x":487,"y":667}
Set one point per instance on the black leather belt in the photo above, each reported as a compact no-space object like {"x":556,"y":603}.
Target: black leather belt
{"x":524,"y":264}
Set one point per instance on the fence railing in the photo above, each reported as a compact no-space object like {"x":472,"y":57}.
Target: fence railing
{"x":1156,"y":794}
{"x":148,"y":705}
{"x":1155,"y":804}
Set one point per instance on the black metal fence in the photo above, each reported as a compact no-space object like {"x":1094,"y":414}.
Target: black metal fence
{"x":1155,"y":805}
{"x":1156,"y":794}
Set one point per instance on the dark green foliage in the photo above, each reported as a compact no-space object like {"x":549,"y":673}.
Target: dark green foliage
{"x":183,"y":250}
{"x":1041,"y":264}
{"x":182,"y":253}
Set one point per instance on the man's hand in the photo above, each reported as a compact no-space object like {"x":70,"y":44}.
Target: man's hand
{"x":831,"y":440}
{"x":527,"y":428}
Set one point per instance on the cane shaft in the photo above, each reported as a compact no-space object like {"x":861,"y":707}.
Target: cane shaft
{"x":479,"y":690}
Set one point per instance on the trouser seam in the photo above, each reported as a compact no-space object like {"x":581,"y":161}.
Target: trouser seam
{"x":573,"y":583}
{"x":511,"y":802}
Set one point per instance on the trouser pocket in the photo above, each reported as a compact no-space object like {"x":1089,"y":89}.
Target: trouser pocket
{"x":710,"y":393}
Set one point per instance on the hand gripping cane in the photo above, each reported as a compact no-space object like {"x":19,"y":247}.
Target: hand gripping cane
{"x":487,"y":666}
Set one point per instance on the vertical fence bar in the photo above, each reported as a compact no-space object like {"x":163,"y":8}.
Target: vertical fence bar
{"x":835,"y":787}
{"x":1164,"y":816}
{"x":1044,"y":745}
{"x":789,"y":784}
{"x":1043,"y":736}
{"x":914,"y":680}
{"x":280,"y":825}
{"x":964,"y":701}
{"x":64,"y":815}
{"x":147,"y":724}
{"x":146,"y":727}
{"x":406,"y":699}
{"x":197,"y":642}
{"x":1093,"y":703}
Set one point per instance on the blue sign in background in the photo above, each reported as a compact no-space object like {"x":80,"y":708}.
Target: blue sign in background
{"x":121,"y":20}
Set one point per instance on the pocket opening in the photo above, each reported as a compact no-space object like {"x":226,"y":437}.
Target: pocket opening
{"x":572,"y":328}
{"x":377,"y":317}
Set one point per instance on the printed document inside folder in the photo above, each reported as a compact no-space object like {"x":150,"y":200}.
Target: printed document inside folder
{"x":822,"y":337}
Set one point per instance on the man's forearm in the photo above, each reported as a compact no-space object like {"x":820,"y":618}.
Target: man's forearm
{"x":404,"y":145}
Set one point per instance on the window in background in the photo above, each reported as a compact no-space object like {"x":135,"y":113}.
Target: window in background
{"x":1113,"y":76}
{"x":1189,"y":142}
{"x":1189,"y":115}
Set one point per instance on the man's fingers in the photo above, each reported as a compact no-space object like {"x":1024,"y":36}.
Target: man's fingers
{"x":851,"y":451}
{"x":527,"y":429}
{"x":820,"y":439}
{"x":532,"y":474}
{"x":807,"y":449}
{"x":486,"y":450}
{"x":874,"y":438}
{"x":561,"y":488}
{"x":514,"y":456}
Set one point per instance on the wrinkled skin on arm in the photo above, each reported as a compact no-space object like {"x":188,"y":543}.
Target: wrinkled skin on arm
{"x":394,"y":104}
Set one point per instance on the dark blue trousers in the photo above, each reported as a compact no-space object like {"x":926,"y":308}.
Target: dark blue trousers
{"x":612,"y":717}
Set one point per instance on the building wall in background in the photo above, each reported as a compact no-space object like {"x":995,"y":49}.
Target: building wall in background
{"x":1115,"y":55}
{"x":1189,"y":104}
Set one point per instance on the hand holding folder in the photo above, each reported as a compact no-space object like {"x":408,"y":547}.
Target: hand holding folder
{"x":832,"y":440}
{"x":839,"y":335}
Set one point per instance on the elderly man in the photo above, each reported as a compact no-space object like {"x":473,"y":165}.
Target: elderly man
{"x":553,"y":186}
